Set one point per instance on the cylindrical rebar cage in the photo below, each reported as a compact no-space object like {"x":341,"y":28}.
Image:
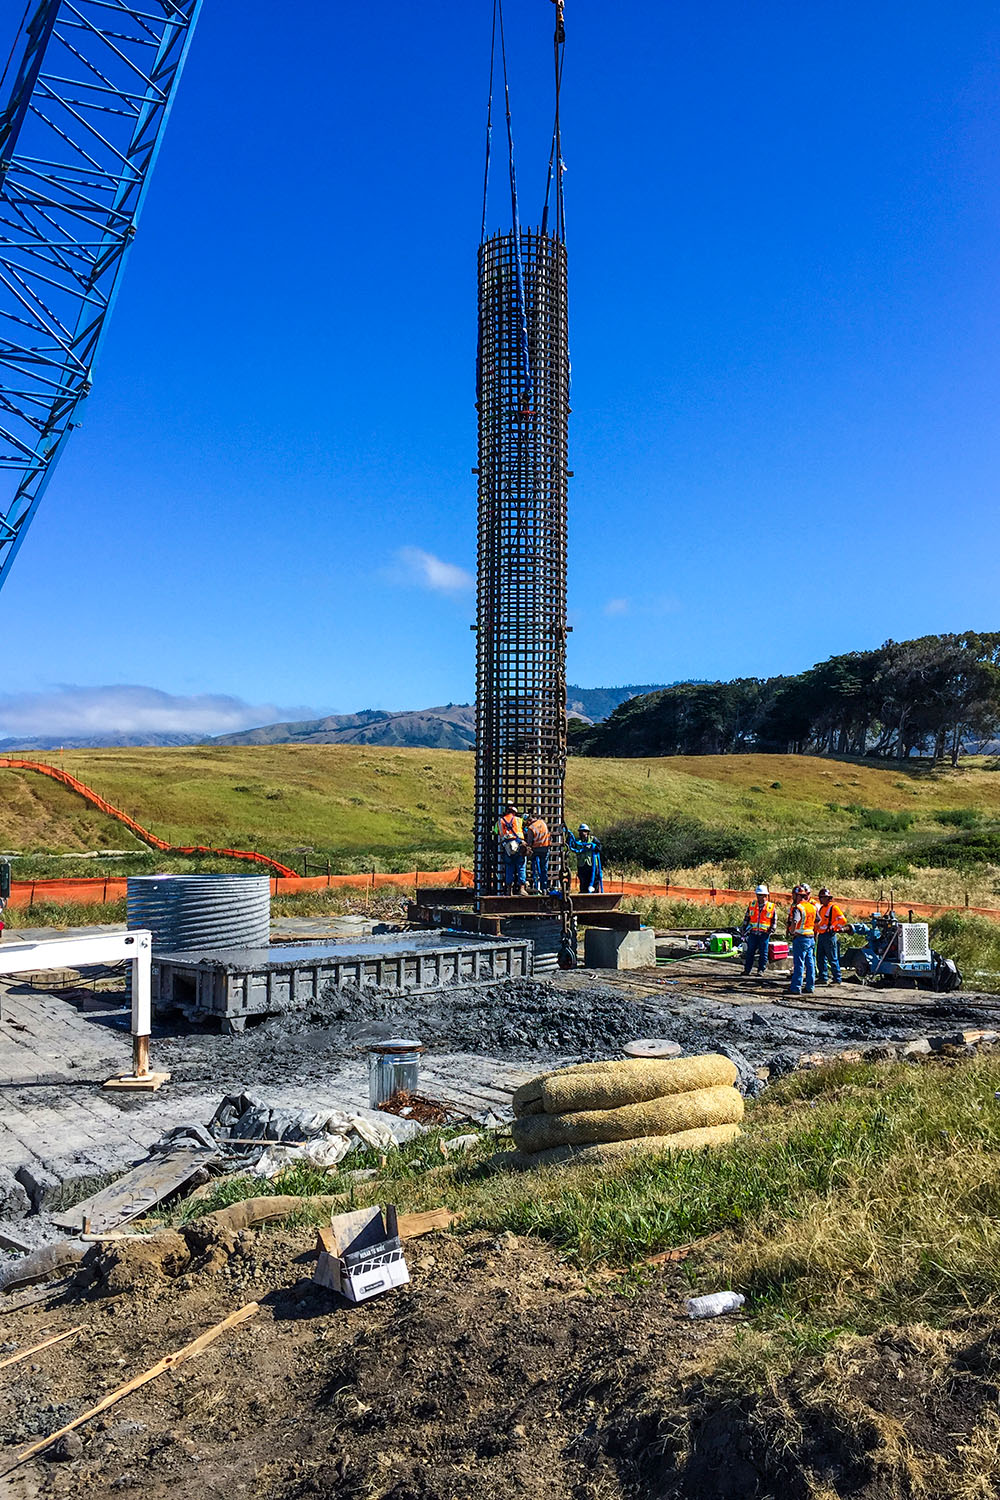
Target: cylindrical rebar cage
{"x":523,"y":402}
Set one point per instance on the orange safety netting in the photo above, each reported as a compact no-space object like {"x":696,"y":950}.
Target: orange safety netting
{"x":89,"y":890}
{"x":95,"y":890}
{"x":12,"y":763}
{"x":721,"y":896}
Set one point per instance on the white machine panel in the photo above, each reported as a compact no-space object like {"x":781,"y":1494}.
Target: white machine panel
{"x":915,"y":943}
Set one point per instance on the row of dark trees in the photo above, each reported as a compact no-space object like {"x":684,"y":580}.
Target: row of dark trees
{"x":932,"y":697}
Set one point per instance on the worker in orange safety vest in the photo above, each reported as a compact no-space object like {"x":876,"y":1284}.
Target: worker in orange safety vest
{"x":759,"y":922}
{"x":539,"y":842}
{"x":802,"y":932}
{"x":830,"y":921}
{"x":510,"y":831}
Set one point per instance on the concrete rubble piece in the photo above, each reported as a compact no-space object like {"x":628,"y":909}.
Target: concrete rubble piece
{"x":604,"y":948}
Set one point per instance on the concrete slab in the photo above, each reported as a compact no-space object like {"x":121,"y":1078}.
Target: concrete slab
{"x":62,"y":1137}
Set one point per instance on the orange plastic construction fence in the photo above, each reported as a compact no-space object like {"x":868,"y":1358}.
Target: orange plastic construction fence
{"x":96,"y":890}
{"x":721,"y":896}
{"x":12,"y":763}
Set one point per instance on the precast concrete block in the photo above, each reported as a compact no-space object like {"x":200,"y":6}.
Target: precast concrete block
{"x":42,"y":1187}
{"x":14,"y":1202}
{"x":605,"y":948}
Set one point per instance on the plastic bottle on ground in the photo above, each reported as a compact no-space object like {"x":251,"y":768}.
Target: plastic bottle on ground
{"x":714,"y":1305}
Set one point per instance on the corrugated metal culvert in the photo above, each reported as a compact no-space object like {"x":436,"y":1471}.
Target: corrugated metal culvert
{"x":186,"y":912}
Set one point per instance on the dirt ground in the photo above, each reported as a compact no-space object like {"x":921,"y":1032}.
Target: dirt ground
{"x":499,"y":1372}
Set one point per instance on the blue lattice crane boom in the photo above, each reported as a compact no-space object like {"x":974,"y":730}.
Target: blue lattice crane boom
{"x":91,"y":83}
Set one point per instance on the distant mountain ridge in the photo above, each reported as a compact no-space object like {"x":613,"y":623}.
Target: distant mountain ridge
{"x":595,"y":704}
{"x":110,"y":741}
{"x":451,"y":726}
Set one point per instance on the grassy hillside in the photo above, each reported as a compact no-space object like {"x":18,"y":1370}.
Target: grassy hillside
{"x":39,"y":815}
{"x":398,"y":808}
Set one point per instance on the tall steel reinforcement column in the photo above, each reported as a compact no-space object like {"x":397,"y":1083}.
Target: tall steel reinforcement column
{"x":523,"y":403}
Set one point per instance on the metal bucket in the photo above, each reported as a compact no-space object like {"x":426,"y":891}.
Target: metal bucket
{"x":393,"y":1064}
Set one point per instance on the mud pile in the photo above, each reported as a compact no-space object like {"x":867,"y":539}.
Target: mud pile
{"x":527,"y":1020}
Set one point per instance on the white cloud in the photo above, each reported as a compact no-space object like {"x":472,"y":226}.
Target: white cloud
{"x":415,"y":566}
{"x":651,"y":605}
{"x":125,"y":708}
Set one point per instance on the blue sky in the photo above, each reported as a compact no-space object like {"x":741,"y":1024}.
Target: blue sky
{"x":784,"y":255}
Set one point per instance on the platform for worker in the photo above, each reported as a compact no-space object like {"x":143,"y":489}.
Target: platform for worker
{"x":467,"y":911}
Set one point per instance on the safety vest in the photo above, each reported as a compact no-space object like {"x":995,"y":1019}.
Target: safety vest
{"x":537,"y":834}
{"x":760,"y":916}
{"x":511,"y":827}
{"x":802,"y":919}
{"x":830,"y":918}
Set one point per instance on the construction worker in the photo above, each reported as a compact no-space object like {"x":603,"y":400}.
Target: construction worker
{"x":758,"y":924}
{"x":830,"y":920}
{"x":802,"y":934}
{"x":539,"y":841}
{"x":510,"y":832}
{"x":589,"y":874}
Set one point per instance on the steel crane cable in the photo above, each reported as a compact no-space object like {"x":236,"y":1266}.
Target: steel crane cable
{"x":556,"y":164}
{"x":527,"y":393}
{"x":489,"y":121}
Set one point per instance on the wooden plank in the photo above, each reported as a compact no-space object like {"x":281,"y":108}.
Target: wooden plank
{"x":137,"y":1191}
{"x":45,"y":1294}
{"x":519,"y":906}
{"x":9,"y":1241}
{"x":169,"y":1362}
{"x":147,"y":1084}
{"x":55,"y":1338}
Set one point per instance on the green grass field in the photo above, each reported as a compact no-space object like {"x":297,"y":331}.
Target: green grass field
{"x":398,"y":807}
{"x":864,"y":828}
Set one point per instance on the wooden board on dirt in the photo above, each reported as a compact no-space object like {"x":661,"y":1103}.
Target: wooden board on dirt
{"x":137,"y":1191}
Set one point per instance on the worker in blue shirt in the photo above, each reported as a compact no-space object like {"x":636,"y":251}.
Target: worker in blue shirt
{"x":587,"y":849}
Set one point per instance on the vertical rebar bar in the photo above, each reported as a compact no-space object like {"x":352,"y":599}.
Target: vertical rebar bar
{"x":521,"y":606}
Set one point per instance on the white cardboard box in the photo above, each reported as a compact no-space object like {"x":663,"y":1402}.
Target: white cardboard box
{"x":361,"y":1254}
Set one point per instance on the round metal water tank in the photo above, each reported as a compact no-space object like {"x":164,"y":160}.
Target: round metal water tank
{"x":186,"y":913}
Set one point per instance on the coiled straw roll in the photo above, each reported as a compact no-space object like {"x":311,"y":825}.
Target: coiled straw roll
{"x":721,"y":1105}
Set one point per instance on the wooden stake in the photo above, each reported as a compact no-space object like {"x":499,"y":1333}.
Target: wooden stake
{"x":55,"y":1338}
{"x":169,"y":1362}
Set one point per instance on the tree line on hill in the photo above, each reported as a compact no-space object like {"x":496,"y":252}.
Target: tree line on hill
{"x":931,"y":696}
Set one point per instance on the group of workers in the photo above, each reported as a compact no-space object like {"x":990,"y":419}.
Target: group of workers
{"x":524,"y":840}
{"x":812,"y":928}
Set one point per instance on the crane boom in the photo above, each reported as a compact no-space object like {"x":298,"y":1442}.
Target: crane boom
{"x":79,"y":134}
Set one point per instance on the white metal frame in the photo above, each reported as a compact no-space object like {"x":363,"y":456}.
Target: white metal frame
{"x":100,"y":948}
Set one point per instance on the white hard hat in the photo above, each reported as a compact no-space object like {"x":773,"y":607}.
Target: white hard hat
{"x":584,"y":827}
{"x":762,"y":890}
{"x":805,"y":889}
